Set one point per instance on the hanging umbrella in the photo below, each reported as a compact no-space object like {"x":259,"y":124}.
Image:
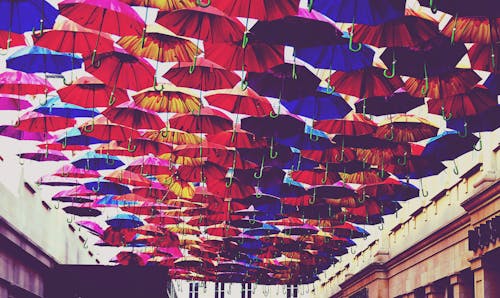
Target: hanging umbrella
{"x":433,"y":57}
{"x":473,"y":28}
{"x":103,"y":187}
{"x":36,"y":59}
{"x":22,"y":16}
{"x":261,"y":10}
{"x":160,"y":47}
{"x":71,"y":171}
{"x":482,"y":57}
{"x":416,"y":167}
{"x":449,"y":145}
{"x":150,"y":165}
{"x":162,"y":4}
{"x":203,"y":75}
{"x":222,"y":230}
{"x":12,"y":103}
{"x":204,"y":172}
{"x":55,"y":107}
{"x":237,"y":138}
{"x":353,"y":125}
{"x":37,"y":122}
{"x":77,"y":194}
{"x":319,"y":106}
{"x":230,"y":188}
{"x":473,"y":102}
{"x":95,"y":161}
{"x":172,"y":136}
{"x":206,"y":120}
{"x":15,"y":133}
{"x":167,"y":98}
{"x":43,"y":155}
{"x":295,"y":30}
{"x":181,"y":188}
{"x":398,"y":102}
{"x":317,"y":176}
{"x":73,"y":138}
{"x":454,"y":82}
{"x":363,"y":83}
{"x":462,"y":7}
{"x":142,"y":146}
{"x":89,"y":92}
{"x":205,"y":23}
{"x":130,"y":115}
{"x":361,"y":11}
{"x":486,"y":121}
{"x":127,"y":177}
{"x":406,"y":31}
{"x":91,"y":227}
{"x":21,"y":83}
{"x":239,"y":101}
{"x":124,"y":221}
{"x":406,"y":128}
{"x":121,"y":70}
{"x":101,"y":128}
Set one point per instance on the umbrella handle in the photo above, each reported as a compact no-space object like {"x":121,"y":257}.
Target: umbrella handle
{"x":480,"y":145}
{"x":143,"y":37}
{"x":310,"y":4}
{"x":362,"y":199}
{"x":443,"y":114}
{"x":272,"y":154}
{"x":41,"y":30}
{"x":109,"y":161}
{"x":95,"y":63}
{"x":70,"y":219}
{"x":325,"y":178}
{"x":433,"y":6}
{"x":43,"y":100}
{"x":312,"y":199}
{"x":98,"y":187}
{"x":57,"y":205}
{"x":294,"y":66}
{"x":425,"y":88}
{"x":425,"y":193}
{"x":85,"y":243}
{"x":454,"y":30}
{"x":455,"y":168}
{"x":21,"y":161}
{"x":228,"y":184}
{"x":89,"y":127}
{"x":464,"y":135}
{"x":341,"y":153}
{"x":244,"y":41}
{"x":315,"y":138}
{"x":244,"y":82}
{"x":259,"y":175}
{"x":201,"y":4}
{"x":393,"y":68}
{"x":351,"y":35}
{"x":275,"y":115}
{"x":67,"y":83}
{"x":193,"y":66}
{"x":112,"y":99}
{"x":381,"y":226}
{"x":403,"y":163}
{"x":390,"y":136}
{"x":155,"y":86}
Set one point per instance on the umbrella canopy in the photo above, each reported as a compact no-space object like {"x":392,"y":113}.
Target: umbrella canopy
{"x":36,"y":59}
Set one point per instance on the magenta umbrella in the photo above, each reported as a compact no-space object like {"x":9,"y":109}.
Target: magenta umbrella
{"x":18,"y":134}
{"x":43,"y":155}
{"x":12,"y":103}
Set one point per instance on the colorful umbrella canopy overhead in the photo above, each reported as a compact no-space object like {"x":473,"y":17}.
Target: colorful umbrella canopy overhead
{"x":224,"y":145}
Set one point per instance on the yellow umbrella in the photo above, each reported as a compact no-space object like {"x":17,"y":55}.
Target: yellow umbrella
{"x":167,"y":98}
{"x":172,"y":136}
{"x":179,"y":187}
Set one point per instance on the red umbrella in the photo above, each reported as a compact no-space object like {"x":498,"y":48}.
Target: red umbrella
{"x":101,"y":128}
{"x":364,"y":83}
{"x":61,"y":147}
{"x":130,"y":115}
{"x":259,"y":9}
{"x":239,"y":101}
{"x":112,"y":148}
{"x":71,"y":171}
{"x":172,"y":136}
{"x":471,"y":103}
{"x":445,"y":85}
{"x":330,"y":155}
{"x":37,"y":122}
{"x":10,"y":39}
{"x":485,"y":57}
{"x":205,"y":149}
{"x":352,"y":125}
{"x":223,"y":230}
{"x":203,"y":74}
{"x":256,"y":56}
{"x":316,"y":176}
{"x":110,"y":16}
{"x":167,"y":99}
{"x":89,"y":92}
{"x":237,"y":138}
{"x":406,"y":128}
{"x":480,"y":29}
{"x":121,"y":70}
{"x":206,"y":120}
{"x":209,"y":170}
{"x":205,"y":23}
{"x":162,"y":219}
{"x":164,"y":5}
{"x":407,"y":31}
{"x":142,"y":146}
{"x":230,"y":188}
{"x":21,"y":83}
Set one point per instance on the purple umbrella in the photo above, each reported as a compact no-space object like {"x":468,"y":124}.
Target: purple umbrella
{"x":301,"y":230}
{"x":12,"y":132}
{"x":82,"y":210}
{"x":57,"y":181}
{"x":12,"y":103}
{"x":91,"y":226}
{"x":43,"y":155}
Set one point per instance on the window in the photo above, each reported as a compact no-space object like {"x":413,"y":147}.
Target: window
{"x":292,"y":291}
{"x":246,"y":290}
{"x":361,"y":294}
{"x":219,"y":290}
{"x":193,"y":290}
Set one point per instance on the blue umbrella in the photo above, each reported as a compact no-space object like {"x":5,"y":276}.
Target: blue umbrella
{"x":25,"y":15}
{"x":297,"y":162}
{"x":369,"y":12}
{"x":338,"y":57}
{"x":266,"y":229}
{"x":398,"y":102}
{"x":109,"y":200}
{"x":488,"y":120}
{"x":125,"y":221}
{"x":95,"y":161}
{"x":313,"y":139}
{"x":405,"y":193}
{"x":493,"y":83}
{"x":54,"y":106}
{"x":449,"y":145}
{"x":36,"y":59}
{"x":74,"y":136}
{"x":104,"y":187}
{"x":319,"y":106}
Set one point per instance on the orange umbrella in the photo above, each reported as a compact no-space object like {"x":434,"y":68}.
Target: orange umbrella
{"x":454,"y":82}
{"x":128,"y":177}
{"x":172,"y":136}
{"x":478,"y":29}
{"x":485,"y":57}
{"x":164,"y":5}
{"x":181,"y":188}
{"x":471,"y":103}
{"x":406,"y":128}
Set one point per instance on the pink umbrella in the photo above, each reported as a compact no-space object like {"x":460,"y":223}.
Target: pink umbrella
{"x":21,"y":83}
{"x":12,"y":103}
{"x":70,"y":170}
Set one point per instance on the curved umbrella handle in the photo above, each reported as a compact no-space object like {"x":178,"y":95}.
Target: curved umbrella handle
{"x":57,"y":205}
{"x":41,"y":30}
{"x":43,"y":100}
{"x":312,"y":199}
{"x":433,"y":6}
{"x":351,"y":35}
{"x":310,"y":4}
{"x":362,"y":199}
{"x":274,"y":115}
{"x":315,"y":138}
{"x":252,"y":220}
{"x":455,"y":168}
{"x":65,"y":141}
{"x":85,"y":243}
{"x":443,"y":114}
{"x":454,"y":30}
{"x":98,"y":187}
{"x":112,"y":99}
{"x":342,"y":158}
{"x":393,"y":68}
{"x":381,"y":226}
{"x":244,"y":82}
{"x":272,"y":155}
{"x":143,"y":36}
{"x":424,"y":192}
{"x":67,"y":83}
{"x":109,"y":161}
{"x":228,"y":184}
{"x":480,"y":145}
{"x":244,"y":41}
{"x":464,"y":135}
{"x":425,"y":88}
{"x":155,"y":85}
{"x":325,"y":178}
{"x":95,"y":63}
{"x":403,"y":163}
{"x":193,"y":66}
{"x":259,"y":175}
{"x":201,"y":4}
{"x":70,"y":219}
{"x":390,"y":136}
{"x":131,"y":148}
{"x":89,"y":127}
{"x":164,"y":133}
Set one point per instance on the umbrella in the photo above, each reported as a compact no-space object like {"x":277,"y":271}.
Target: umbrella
{"x":15,"y":133}
{"x":406,"y":128}
{"x":43,"y":155}
{"x":103,"y":187}
{"x":160,"y":47}
{"x":352,"y":125}
{"x":21,"y":83}
{"x":363,"y":83}
{"x":172,"y":136}
{"x":124,"y":221}
{"x":95,"y":161}
{"x":474,"y":28}
{"x":449,"y":145}
{"x":319,"y":106}
{"x":36,"y":59}
{"x":261,"y":10}
{"x":89,"y":92}
{"x":12,"y":103}
{"x":22,"y":16}
{"x":482,"y":57}
{"x":317,"y":176}
{"x":206,"y":120}
{"x":37,"y":122}
{"x":486,"y":121}
{"x":473,"y":102}
{"x":121,"y":70}
{"x":451,"y":83}
{"x":127,"y":177}
{"x":202,"y":74}
{"x":462,"y":7}
{"x":162,"y":4}
{"x":167,"y":98}
{"x":73,"y":138}
{"x":237,"y":138}
{"x":360,"y":11}
{"x":82,"y":210}
{"x":398,"y":102}
{"x":55,"y":107}
{"x":222,"y":230}
{"x":130,"y":115}
{"x":205,"y":23}
{"x":295,"y":30}
{"x":150,"y":165}
{"x":239,"y":101}
{"x":71,"y":171}
{"x":102,"y":129}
